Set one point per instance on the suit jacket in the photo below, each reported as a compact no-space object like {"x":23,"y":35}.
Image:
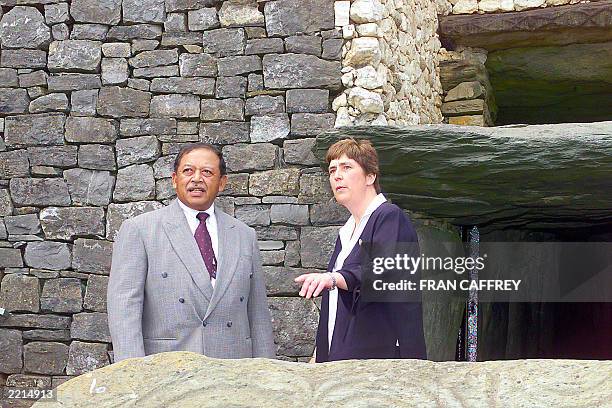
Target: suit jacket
{"x":372,"y":329}
{"x":160,"y":297}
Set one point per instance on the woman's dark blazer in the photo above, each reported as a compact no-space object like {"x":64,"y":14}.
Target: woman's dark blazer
{"x":371,"y":329}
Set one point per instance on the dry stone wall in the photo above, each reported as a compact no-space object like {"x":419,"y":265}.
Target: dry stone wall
{"x":97,"y":97}
{"x":390,"y":68}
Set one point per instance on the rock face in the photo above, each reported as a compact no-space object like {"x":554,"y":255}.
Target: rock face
{"x":24,"y":27}
{"x":260,"y":382}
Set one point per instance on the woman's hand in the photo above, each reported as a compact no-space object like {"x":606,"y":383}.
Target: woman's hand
{"x":314,"y":283}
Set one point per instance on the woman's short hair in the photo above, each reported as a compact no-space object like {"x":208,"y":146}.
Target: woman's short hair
{"x":360,"y":150}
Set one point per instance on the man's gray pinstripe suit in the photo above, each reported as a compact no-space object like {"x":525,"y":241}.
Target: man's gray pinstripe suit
{"x":160,"y":297}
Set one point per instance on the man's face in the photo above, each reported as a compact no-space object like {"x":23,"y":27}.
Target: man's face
{"x":198,"y":179}
{"x":348,"y":180}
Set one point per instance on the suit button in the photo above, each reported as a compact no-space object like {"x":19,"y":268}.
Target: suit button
{"x":204,"y":324}
{"x":164,"y":275}
{"x":181,"y":300}
{"x":242,"y":298}
{"x":229,"y":324}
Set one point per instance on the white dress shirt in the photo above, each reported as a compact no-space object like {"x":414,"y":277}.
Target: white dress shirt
{"x":348,"y":241}
{"x":211,"y":226}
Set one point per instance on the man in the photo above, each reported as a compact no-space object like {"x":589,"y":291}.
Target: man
{"x":188,"y":277}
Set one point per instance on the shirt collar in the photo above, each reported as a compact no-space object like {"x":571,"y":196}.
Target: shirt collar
{"x":376,"y":202}
{"x":190,"y":212}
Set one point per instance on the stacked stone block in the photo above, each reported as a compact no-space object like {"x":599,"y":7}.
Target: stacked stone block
{"x":389,"y":60}
{"x":468,"y":94}
{"x":96,"y":99}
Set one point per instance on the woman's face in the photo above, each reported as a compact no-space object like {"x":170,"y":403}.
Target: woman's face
{"x":348,"y":180}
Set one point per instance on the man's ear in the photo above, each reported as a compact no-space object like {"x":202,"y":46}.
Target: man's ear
{"x":222,"y":182}
{"x":174,"y":180}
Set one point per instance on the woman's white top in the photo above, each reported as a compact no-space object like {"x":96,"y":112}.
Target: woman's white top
{"x":349,"y":235}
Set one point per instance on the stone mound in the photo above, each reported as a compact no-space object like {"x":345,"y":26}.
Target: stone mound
{"x":184,"y":380}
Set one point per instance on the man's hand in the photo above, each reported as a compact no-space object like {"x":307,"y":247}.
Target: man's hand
{"x":314,"y":283}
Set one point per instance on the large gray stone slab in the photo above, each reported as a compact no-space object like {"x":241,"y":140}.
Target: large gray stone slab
{"x":13,"y":101}
{"x":20,"y":293}
{"x":222,"y":109}
{"x":261,"y":46}
{"x":117,"y":213}
{"x":24,"y":27}
{"x":223,"y":42}
{"x":23,"y":58}
{"x":89,"y":187}
{"x":97,"y":157}
{"x":36,"y":321}
{"x":150,"y":126}
{"x":224,"y":132}
{"x":70,"y":222}
{"x":45,"y":357}
{"x":154,"y":58}
{"x":269,"y":127}
{"x":253,"y":215}
{"x":314,"y":188}
{"x":26,"y":224}
{"x":74,"y":82}
{"x":231,"y":87}
{"x":10,"y":258}
{"x":92,"y":256}
{"x":35,"y":78}
{"x":247,"y":157}
{"x":115,"y":71}
{"x":43,"y":129}
{"x":85,"y":357}
{"x":14,"y":163}
{"x":147,"y":11}
{"x":311,"y":124}
{"x":202,"y":19}
{"x":8,"y":78}
{"x":46,"y":335}
{"x":303,"y":44}
{"x":240,"y":14}
{"x":307,"y":100}
{"x":119,"y":102}
{"x":62,"y":295}
{"x":90,"y":327}
{"x":264,"y":104}
{"x":196,"y":86}
{"x":39,"y":192}
{"x":96,"y":32}
{"x":191,"y":65}
{"x":94,"y":11}
{"x":137,"y":150}
{"x":291,"y":214}
{"x":48,"y":255}
{"x":286,"y":71}
{"x":288,"y":17}
{"x":74,"y":56}
{"x":83,"y":129}
{"x":317,"y":245}
{"x":95,"y":294}
{"x":175,"y":105}
{"x":300,"y":152}
{"x":11,"y":344}
{"x":134,"y":32}
{"x":238,"y":65}
{"x":275,"y":182}
{"x":294,"y":322}
{"x":328,"y":213}
{"x":127,"y":190}
{"x":56,"y":156}
{"x":49,"y":103}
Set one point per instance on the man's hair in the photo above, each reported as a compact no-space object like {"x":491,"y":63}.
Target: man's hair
{"x":360,"y":150}
{"x":195,"y":146}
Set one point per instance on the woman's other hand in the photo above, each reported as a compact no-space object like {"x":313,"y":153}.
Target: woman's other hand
{"x":314,"y":283}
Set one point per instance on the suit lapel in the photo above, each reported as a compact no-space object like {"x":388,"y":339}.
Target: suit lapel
{"x":229,"y":246}
{"x":186,"y":248}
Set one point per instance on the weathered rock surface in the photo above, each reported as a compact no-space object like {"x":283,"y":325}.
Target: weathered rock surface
{"x":258,"y":382}
{"x":23,"y":27}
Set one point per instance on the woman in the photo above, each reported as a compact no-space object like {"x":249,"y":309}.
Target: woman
{"x":349,"y":327}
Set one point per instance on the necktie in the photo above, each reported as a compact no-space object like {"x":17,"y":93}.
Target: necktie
{"x":202,"y":237}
